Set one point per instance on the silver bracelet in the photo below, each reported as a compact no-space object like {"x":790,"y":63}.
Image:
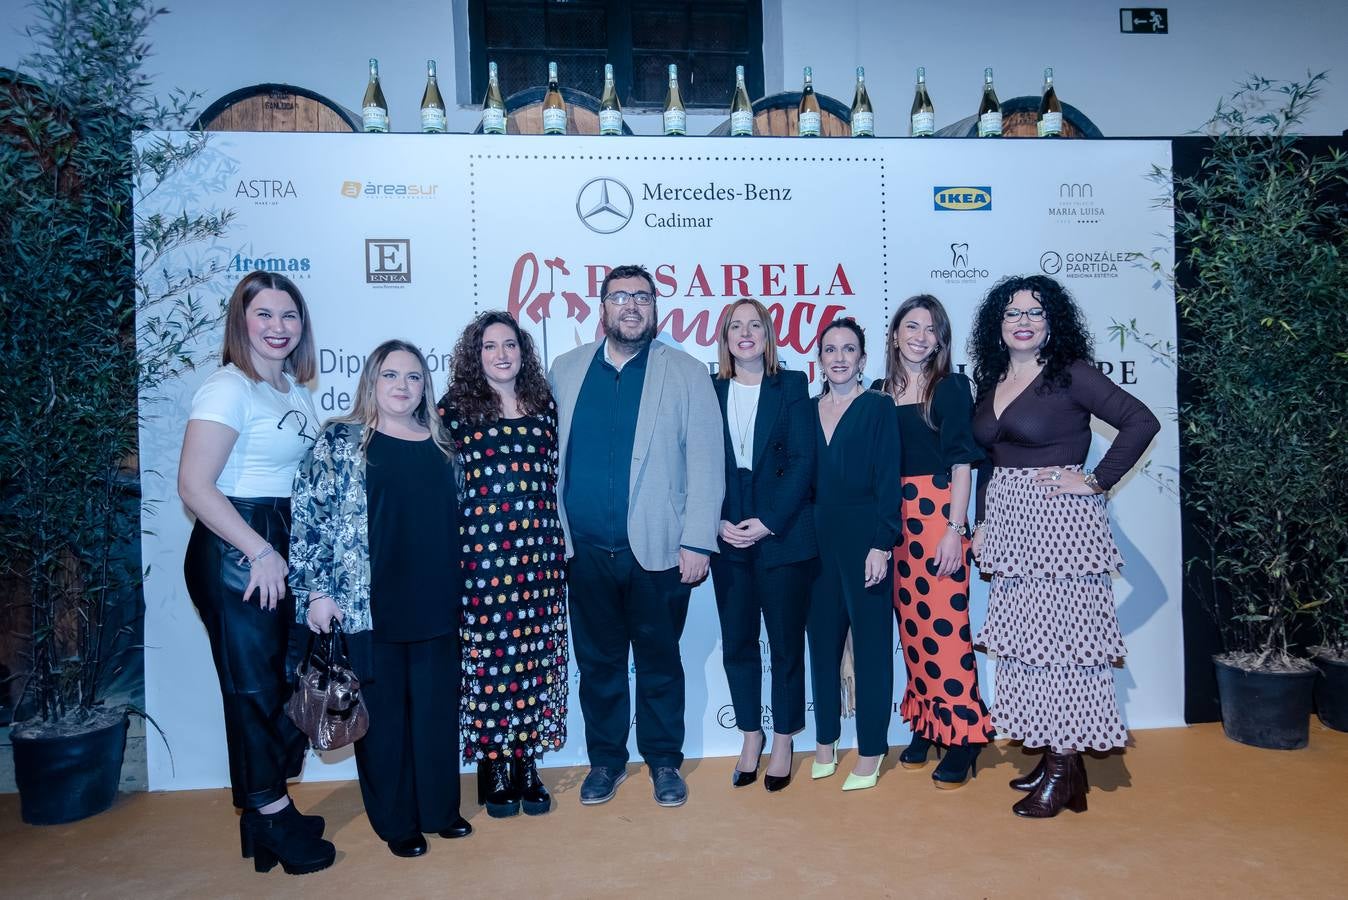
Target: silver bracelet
{"x":247,"y":561}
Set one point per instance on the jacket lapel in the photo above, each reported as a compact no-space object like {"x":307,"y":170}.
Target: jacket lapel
{"x":657,"y":363}
{"x":568,"y":385}
{"x":769,"y":407}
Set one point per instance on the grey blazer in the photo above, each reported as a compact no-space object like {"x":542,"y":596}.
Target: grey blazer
{"x":678,"y":470}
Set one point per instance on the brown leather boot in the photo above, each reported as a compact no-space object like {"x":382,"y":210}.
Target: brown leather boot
{"x":1029,"y":782}
{"x":1063,"y":786}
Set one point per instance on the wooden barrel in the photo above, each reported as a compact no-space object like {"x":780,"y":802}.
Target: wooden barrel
{"x":1020,"y":118}
{"x":276,"y":107}
{"x":778,"y":115}
{"x":524,"y":112}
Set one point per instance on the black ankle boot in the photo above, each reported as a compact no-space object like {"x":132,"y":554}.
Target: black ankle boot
{"x":310,"y":825}
{"x":533,"y":793}
{"x":1031,"y":781}
{"x":914,"y":756}
{"x":496,"y":789}
{"x":1063,"y":786}
{"x":959,"y":764}
{"x":284,"y":838}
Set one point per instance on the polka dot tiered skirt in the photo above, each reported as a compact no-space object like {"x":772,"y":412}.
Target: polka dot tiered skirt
{"x":1051,"y":622}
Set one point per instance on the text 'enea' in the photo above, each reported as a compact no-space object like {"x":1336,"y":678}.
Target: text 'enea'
{"x":796,"y":319}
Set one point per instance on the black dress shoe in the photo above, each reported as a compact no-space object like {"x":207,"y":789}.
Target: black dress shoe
{"x":774,"y":783}
{"x":740,"y":778}
{"x":409,"y":846}
{"x":460,"y":828}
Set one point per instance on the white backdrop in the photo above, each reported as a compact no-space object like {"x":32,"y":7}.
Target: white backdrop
{"x":409,"y":235}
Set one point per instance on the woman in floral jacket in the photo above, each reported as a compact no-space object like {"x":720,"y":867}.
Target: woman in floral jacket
{"x":374,"y":547}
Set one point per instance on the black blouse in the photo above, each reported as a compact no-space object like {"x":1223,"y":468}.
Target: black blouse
{"x":414,"y":539}
{"x":949,"y":440}
{"x":856,"y":469}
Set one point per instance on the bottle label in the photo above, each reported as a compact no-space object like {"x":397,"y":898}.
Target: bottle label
{"x":741,"y":123}
{"x":374,"y":118}
{"x":554,"y":121}
{"x":676,"y":121}
{"x":990,"y":124}
{"x":610,"y":121}
{"x":863,"y":124}
{"x":433,"y":120}
{"x":493,"y":120}
{"x":924,"y":124}
{"x":1050,"y":125}
{"x":809,"y":124}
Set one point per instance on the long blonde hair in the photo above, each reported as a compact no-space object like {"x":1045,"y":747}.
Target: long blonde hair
{"x":365,"y":410}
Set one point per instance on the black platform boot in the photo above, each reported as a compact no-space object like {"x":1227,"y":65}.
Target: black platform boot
{"x":310,"y":825}
{"x":288,"y":840}
{"x":496,"y":789}
{"x":532,"y":791}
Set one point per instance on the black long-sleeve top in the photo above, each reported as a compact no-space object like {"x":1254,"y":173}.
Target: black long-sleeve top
{"x":949,"y":440}
{"x":858,"y":469}
{"x":1047,"y":425}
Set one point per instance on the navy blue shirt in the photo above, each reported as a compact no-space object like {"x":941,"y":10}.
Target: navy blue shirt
{"x":599,"y":451}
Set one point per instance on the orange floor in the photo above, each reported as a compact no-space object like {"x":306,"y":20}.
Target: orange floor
{"x":1183,"y":813}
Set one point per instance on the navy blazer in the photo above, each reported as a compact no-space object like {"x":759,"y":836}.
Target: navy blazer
{"x":783,"y":467}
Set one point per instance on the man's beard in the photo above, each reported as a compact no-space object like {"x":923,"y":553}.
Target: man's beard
{"x":635,"y":345}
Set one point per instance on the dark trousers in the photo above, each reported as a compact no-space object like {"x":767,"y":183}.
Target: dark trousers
{"x":745,"y":591}
{"x":841,"y":601}
{"x":616,"y":605}
{"x":408,"y":761}
{"x":255,"y":651}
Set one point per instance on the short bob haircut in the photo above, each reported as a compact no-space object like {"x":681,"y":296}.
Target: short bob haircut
{"x":302,"y":363}
{"x":726,"y":360}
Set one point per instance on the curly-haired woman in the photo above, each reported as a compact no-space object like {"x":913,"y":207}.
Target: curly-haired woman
{"x":501,"y":417}
{"x":1043,"y":531}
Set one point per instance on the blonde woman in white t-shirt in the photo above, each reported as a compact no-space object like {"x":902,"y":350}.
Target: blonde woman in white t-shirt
{"x":251,"y":422}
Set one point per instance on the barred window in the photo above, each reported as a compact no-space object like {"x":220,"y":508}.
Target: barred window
{"x":707,"y":39}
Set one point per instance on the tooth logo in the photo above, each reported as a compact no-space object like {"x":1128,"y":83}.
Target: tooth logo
{"x":959,"y":256}
{"x":604,"y":205}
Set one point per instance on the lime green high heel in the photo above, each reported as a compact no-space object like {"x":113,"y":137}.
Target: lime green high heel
{"x":823,"y":770}
{"x":857,"y":782}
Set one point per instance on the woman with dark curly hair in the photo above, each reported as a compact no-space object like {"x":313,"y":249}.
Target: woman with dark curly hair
{"x":501,"y":417}
{"x":1043,"y":531}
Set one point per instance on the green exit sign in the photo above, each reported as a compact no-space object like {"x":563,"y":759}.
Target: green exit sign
{"x":1144,"y":21}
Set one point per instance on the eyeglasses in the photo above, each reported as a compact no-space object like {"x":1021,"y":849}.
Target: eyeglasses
{"x":622,"y":298}
{"x":302,"y":421}
{"x":1015,"y":315}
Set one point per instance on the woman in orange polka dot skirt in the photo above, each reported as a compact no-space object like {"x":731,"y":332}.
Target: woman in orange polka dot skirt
{"x":501,"y":416}
{"x":1043,"y":532}
{"x":941,"y":703}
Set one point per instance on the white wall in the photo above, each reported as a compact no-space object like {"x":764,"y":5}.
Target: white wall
{"x":1129,"y":85}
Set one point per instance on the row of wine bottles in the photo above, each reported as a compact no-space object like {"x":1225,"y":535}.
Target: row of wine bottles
{"x":922,"y":117}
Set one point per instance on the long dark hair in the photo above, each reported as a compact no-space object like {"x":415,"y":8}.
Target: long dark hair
{"x":843,"y":322}
{"x":469,"y":394}
{"x":937,"y":365}
{"x":1067,"y":339}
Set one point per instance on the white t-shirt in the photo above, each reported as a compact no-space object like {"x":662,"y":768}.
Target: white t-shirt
{"x":275,"y":430}
{"x":741,"y":409}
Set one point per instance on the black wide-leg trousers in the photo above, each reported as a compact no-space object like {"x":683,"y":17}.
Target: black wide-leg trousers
{"x":255,"y":651}
{"x":408,"y":761}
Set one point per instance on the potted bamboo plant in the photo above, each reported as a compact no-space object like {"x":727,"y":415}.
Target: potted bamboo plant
{"x":69,"y":379}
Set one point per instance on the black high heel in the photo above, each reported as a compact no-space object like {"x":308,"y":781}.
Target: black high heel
{"x":957,"y":767}
{"x":774,"y":783}
{"x":496,"y":789}
{"x":914,"y":756}
{"x":533,"y":793}
{"x":280,"y":838}
{"x":311,"y":825}
{"x":744,"y":779}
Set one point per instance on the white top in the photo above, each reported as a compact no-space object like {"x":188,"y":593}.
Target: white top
{"x":275,"y":430}
{"x":741,"y":412}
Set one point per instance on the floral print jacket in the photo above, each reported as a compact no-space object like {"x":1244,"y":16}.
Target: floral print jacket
{"x":329,"y":530}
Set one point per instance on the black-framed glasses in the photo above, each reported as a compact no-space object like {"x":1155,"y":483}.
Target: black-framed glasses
{"x":1015,"y":315}
{"x":622,"y":298}
{"x":301,"y":423}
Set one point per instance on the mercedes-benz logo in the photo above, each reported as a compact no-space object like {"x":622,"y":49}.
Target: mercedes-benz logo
{"x":1051,"y":262}
{"x":604,"y":205}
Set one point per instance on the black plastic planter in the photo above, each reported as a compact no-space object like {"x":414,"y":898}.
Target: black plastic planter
{"x":1331,"y":693}
{"x":65,"y":779}
{"x":1266,"y":709}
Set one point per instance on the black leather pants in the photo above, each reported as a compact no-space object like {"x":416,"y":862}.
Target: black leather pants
{"x":256,"y":652}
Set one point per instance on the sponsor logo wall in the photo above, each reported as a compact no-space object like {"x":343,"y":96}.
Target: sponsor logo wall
{"x":532,"y":225}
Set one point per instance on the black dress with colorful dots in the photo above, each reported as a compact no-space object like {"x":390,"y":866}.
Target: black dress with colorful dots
{"x":513,"y":627}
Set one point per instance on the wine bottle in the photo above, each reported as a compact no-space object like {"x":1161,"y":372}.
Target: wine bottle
{"x":989,"y":109}
{"x":808,"y":113}
{"x":432,"y":104}
{"x":374,"y":108}
{"x":554,"y":108}
{"x":741,"y":110}
{"x":676,"y":120}
{"x":493,"y":107}
{"x":863,"y":117}
{"x":923,"y":115}
{"x":1050,"y":110}
{"x":610,"y":110}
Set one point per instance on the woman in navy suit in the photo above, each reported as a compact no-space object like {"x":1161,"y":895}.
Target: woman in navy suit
{"x":766,"y":539}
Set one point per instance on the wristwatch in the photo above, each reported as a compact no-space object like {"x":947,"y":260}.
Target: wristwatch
{"x":961,"y":529}
{"x":1091,"y":482}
